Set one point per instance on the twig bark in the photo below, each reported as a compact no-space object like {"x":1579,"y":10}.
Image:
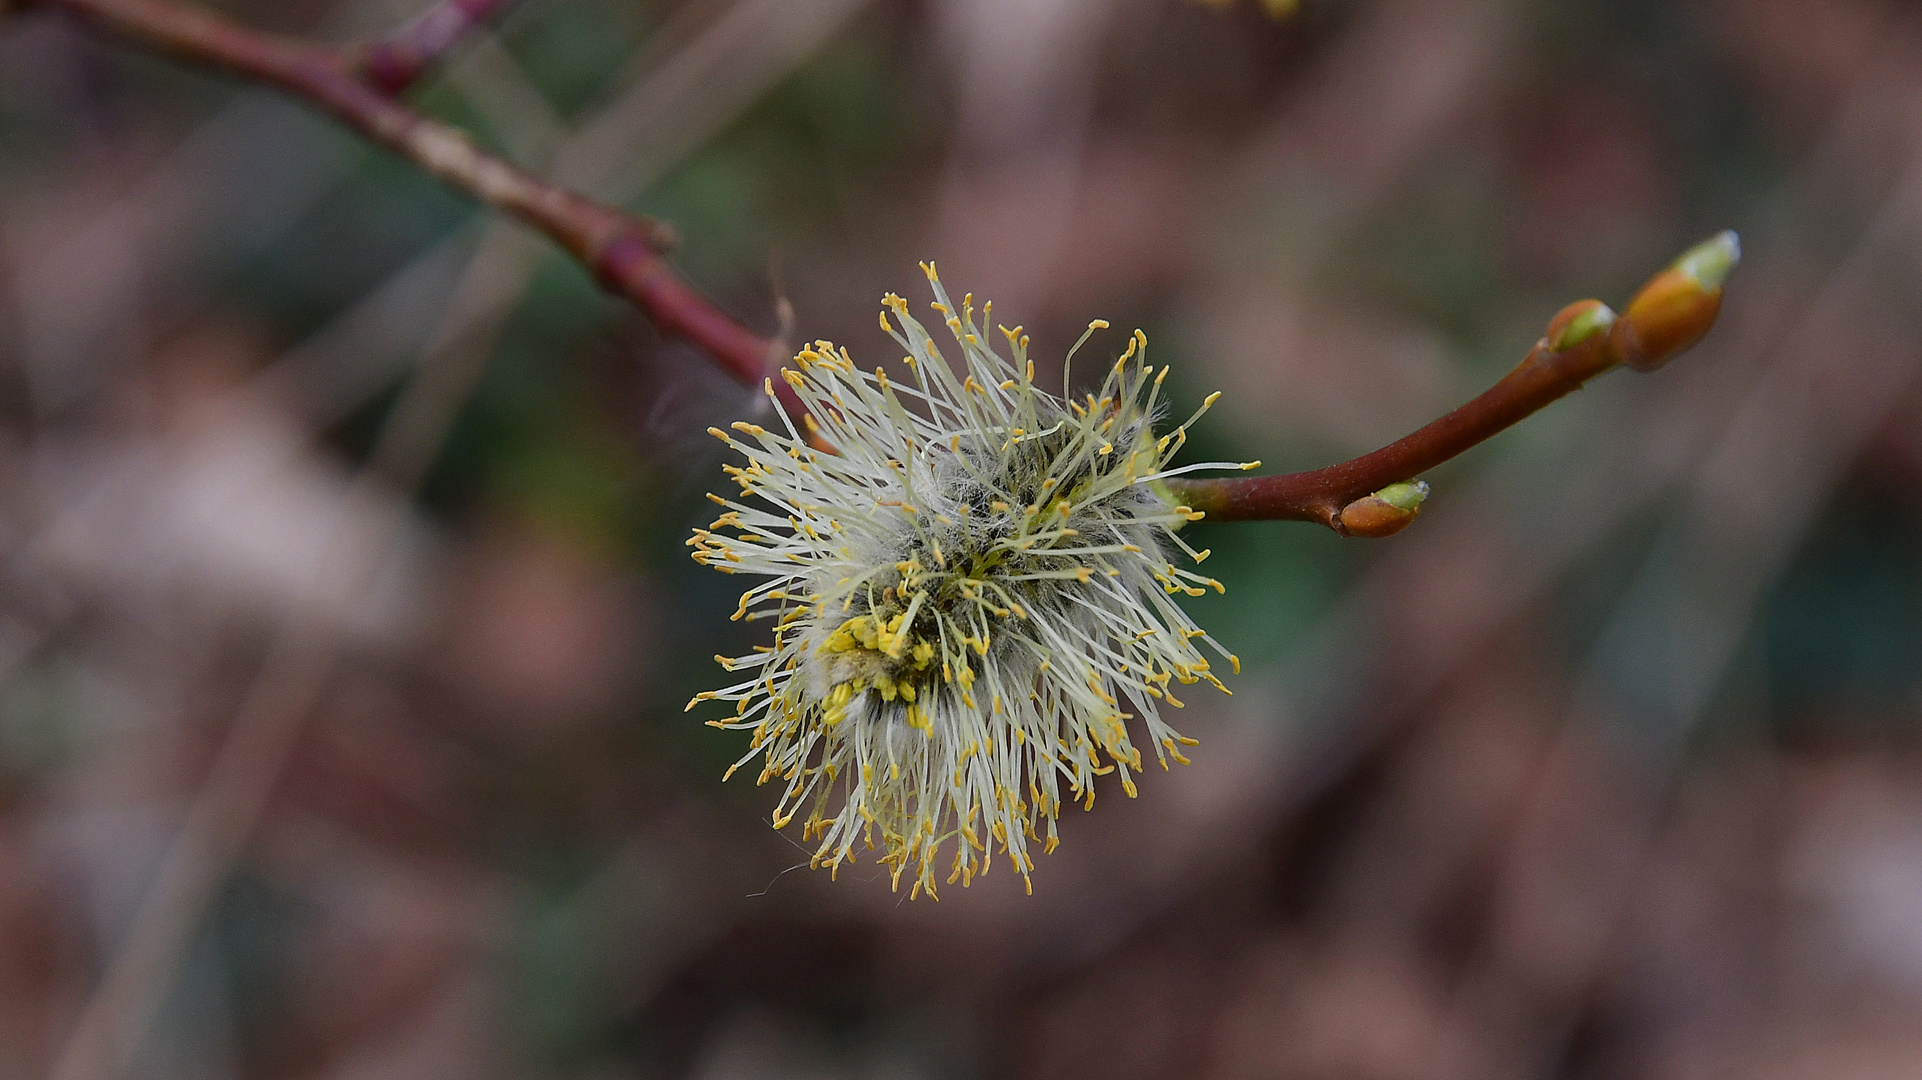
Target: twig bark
{"x":1322,"y":494}
{"x":1355,"y":498}
{"x":622,"y":250}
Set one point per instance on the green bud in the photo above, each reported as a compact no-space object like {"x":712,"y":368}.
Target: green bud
{"x":1584,"y":321}
{"x":1709,"y":263}
{"x":1384,"y":513}
{"x":1407,"y":495}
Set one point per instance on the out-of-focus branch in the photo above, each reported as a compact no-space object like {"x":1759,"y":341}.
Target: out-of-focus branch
{"x":623,"y":250}
{"x":397,"y":62}
{"x":1372,"y":495}
{"x":292,"y":681}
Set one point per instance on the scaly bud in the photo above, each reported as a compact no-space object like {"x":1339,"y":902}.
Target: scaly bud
{"x":1578,"y":322}
{"x":1386,"y":512}
{"x":1677,"y":306}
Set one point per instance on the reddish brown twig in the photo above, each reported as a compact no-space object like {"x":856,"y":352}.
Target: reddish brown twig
{"x":1369,"y":496}
{"x":623,"y":250}
{"x":397,"y":62}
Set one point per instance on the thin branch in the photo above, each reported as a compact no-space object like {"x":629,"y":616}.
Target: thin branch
{"x":397,"y":62}
{"x":1362,"y":497}
{"x":1370,"y":495}
{"x":623,"y":250}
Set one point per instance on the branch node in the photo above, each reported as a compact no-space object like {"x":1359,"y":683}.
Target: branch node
{"x":396,"y":63}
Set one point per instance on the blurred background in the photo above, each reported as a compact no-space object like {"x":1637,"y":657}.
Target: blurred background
{"x":341,"y":533}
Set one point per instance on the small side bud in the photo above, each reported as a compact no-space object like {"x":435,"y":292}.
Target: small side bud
{"x":1578,"y":322}
{"x":1678,"y":305}
{"x":1386,"y":512}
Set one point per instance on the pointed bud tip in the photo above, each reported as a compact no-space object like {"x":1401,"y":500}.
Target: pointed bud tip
{"x":1709,"y":263}
{"x":1408,"y":495}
